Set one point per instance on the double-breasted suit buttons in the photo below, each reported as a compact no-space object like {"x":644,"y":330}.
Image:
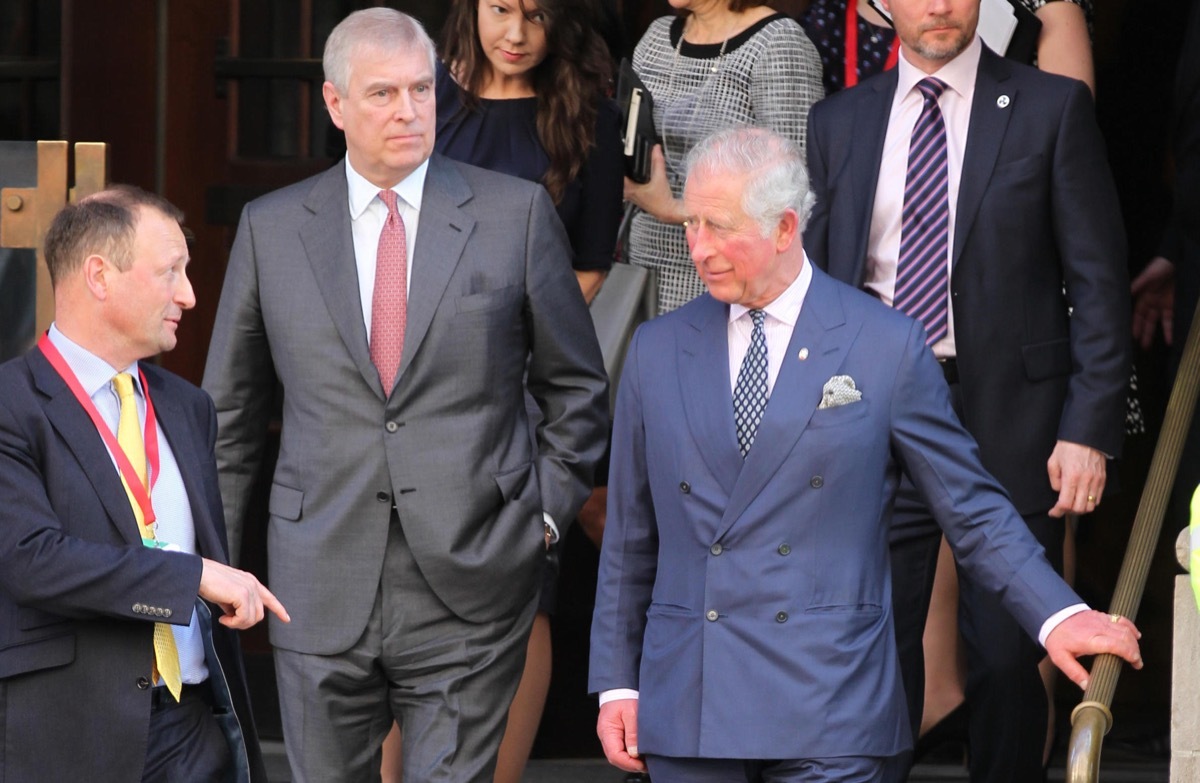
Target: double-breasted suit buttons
{"x":781,"y":617}
{"x":143,"y":683}
{"x":716,"y":549}
{"x":785,"y":550}
{"x":712,"y":615}
{"x":685,"y":487}
{"x":816,"y":482}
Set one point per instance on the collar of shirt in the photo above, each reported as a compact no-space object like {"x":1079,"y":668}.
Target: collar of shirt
{"x":958,"y":74}
{"x":782,"y":314}
{"x":93,"y":372}
{"x":362,"y":192}
{"x":786,"y":306}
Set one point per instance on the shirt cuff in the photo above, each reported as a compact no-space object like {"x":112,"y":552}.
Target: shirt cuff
{"x":1055,"y":619}
{"x":616,"y":694}
{"x":549,"y":520}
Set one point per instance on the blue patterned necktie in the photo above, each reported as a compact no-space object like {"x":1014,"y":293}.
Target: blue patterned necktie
{"x":750,"y":393}
{"x":922,"y":277}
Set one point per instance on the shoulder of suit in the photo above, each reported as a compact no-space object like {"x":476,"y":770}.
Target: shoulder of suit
{"x":857,"y":303}
{"x":484,"y":184}
{"x":298,"y":193}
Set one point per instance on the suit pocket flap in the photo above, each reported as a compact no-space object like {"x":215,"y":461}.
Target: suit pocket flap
{"x":511,"y":482}
{"x":487,"y":300}
{"x":1047,"y":360}
{"x":285,"y":502}
{"x":36,"y":655}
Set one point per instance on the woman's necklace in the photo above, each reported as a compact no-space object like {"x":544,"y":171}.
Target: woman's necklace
{"x":716,"y":66}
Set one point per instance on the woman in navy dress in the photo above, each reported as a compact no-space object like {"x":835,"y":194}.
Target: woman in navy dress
{"x":530,"y":100}
{"x":522,"y":89}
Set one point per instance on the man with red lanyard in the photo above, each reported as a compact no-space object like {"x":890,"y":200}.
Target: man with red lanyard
{"x":111,"y":527}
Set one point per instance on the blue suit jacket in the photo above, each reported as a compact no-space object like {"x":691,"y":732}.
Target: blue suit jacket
{"x":74,"y":654}
{"x":1037,"y":231}
{"x":749,"y":601}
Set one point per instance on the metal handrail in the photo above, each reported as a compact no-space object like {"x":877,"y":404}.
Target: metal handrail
{"x":1091,"y":720}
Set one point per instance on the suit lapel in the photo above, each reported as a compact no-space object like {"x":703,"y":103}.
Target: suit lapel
{"x":704,"y":387}
{"x":80,"y":436}
{"x":985,"y":134}
{"x":441,"y":239}
{"x":330,"y":247}
{"x":868,"y":134}
{"x":822,"y":329}
{"x":172,"y":419}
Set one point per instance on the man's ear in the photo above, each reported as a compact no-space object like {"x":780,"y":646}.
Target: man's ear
{"x":97,"y":275}
{"x":333,"y":102}
{"x":787,"y":230}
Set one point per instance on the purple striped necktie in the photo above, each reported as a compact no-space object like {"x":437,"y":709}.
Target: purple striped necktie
{"x":922,"y":274}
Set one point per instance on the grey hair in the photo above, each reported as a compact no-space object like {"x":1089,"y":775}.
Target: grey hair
{"x":377,"y":28}
{"x":780,"y":180}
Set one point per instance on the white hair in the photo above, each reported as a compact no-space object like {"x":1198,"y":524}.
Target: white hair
{"x":377,"y":28}
{"x":780,"y":180}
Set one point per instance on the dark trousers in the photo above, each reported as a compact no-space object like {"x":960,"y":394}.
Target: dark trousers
{"x":1006,"y":701}
{"x":185,"y":743}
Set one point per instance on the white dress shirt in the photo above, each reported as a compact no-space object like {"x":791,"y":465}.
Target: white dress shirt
{"x":368,"y":213}
{"x":883,"y":245}
{"x":172,"y":511}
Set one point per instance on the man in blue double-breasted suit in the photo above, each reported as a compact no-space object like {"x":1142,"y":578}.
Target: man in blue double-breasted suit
{"x":743,"y":623}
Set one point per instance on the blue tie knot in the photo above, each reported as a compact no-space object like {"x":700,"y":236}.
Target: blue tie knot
{"x":931,"y":88}
{"x":757,"y":317}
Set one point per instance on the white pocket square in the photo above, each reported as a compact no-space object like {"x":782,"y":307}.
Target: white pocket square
{"x":839,"y":390}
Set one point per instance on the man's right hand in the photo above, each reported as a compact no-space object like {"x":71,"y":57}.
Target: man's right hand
{"x":239,"y":594}
{"x":617,"y":729}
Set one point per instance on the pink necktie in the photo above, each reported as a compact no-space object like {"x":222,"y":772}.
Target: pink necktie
{"x":389,"y":301}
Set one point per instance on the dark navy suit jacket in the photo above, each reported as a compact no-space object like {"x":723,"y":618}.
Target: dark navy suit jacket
{"x":1037,"y":216}
{"x":74,"y":654}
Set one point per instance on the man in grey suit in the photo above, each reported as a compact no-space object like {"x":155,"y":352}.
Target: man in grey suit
{"x":410,"y":507}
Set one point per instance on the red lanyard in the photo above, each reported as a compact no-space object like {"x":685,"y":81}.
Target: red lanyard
{"x":852,"y":46}
{"x":140,"y":493}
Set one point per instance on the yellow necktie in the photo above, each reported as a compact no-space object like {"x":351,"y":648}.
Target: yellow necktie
{"x":129,"y":438}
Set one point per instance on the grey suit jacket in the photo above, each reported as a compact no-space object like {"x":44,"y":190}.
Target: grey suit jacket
{"x":491,"y":295}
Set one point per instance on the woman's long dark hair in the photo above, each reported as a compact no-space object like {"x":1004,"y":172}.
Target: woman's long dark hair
{"x":568,"y":83}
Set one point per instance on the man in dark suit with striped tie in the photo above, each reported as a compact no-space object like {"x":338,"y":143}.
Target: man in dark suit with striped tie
{"x":973,"y":193}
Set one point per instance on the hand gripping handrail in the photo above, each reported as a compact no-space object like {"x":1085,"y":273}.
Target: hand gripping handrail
{"x":1091,"y":719}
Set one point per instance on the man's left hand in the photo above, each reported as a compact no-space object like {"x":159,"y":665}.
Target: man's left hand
{"x":1092,"y":633}
{"x":1077,"y":474}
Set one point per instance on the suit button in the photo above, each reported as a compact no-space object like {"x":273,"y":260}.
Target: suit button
{"x":382,"y":496}
{"x":712,"y":615}
{"x":816,"y":482}
{"x":685,"y":487}
{"x":137,"y":608}
{"x":784,"y":549}
{"x":166,"y":612}
{"x":716,"y":549}
{"x":781,"y":617}
{"x":143,"y":683}
{"x":391,"y":426}
{"x":158,"y":612}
